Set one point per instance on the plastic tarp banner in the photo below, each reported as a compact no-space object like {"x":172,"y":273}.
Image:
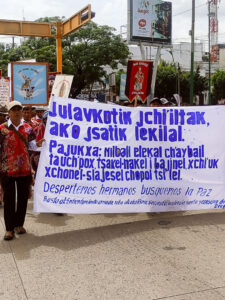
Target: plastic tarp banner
{"x":113,"y":159}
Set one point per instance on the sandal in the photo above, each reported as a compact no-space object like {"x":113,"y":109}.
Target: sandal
{"x":20,"y":230}
{"x":9,"y":235}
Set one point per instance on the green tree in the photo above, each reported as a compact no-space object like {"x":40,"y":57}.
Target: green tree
{"x":218,"y":82}
{"x":88,"y":50}
{"x":4,"y":59}
{"x":166,"y":80}
{"x":185,"y":86}
{"x":44,"y":49}
{"x":85,"y":53}
{"x":200,"y":82}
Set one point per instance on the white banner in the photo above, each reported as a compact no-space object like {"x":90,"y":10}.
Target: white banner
{"x":4,"y":91}
{"x":113,"y":159}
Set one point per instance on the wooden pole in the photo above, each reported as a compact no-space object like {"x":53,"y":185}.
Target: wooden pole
{"x":59,"y":47}
{"x":136,"y":101}
{"x":30,"y":112}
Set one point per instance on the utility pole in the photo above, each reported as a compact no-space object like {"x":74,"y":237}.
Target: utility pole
{"x":13,"y":42}
{"x":178,"y":87}
{"x":192,"y":53}
{"x":209,"y":92}
{"x":175,"y":67}
{"x":154,"y":74}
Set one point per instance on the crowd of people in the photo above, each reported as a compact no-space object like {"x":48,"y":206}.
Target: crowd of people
{"x":22,"y":131}
{"x":154,"y":102}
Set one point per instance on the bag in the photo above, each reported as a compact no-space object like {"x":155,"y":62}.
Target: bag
{"x":11,"y":127}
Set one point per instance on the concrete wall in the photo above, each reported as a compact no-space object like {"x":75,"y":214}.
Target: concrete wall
{"x":222,"y":59}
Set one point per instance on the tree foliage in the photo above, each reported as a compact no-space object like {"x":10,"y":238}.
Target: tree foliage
{"x":165,"y":80}
{"x":85,"y":53}
{"x":168,"y":77}
{"x":218,"y":81}
{"x":200,"y":82}
{"x":88,"y":50}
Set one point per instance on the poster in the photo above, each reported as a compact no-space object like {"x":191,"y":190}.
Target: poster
{"x":114,"y":159}
{"x":4,"y":91}
{"x":151,"y":21}
{"x":123,"y":78}
{"x":62,"y":85}
{"x":138,"y":80}
{"x":29,"y":82}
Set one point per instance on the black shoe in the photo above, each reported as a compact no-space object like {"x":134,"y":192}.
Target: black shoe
{"x":9,"y":235}
{"x":20,"y":230}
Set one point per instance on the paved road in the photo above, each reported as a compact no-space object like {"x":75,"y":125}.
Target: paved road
{"x":174,"y":256}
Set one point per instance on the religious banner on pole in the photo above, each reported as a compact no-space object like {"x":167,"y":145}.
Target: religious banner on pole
{"x":62,"y":85}
{"x":29,"y":82}
{"x":139,"y":78}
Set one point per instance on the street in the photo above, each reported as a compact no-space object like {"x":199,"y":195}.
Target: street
{"x":178,"y":256}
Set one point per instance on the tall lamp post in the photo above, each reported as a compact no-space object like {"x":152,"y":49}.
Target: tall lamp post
{"x":209,"y":92}
{"x":192,"y":53}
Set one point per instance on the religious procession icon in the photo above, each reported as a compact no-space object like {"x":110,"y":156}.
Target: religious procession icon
{"x":29,"y":82}
{"x":27,"y":87}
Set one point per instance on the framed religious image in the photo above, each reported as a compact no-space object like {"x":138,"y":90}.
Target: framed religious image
{"x":29,"y":83}
{"x":62,"y":85}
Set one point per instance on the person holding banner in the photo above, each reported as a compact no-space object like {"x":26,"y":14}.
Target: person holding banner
{"x":40,"y":132}
{"x":165,"y":102}
{"x":155,"y":102}
{"x":15,"y":168}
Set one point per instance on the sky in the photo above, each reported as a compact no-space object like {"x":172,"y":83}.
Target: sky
{"x":114,"y":13}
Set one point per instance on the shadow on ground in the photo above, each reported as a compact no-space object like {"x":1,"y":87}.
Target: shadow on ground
{"x":76,"y":239}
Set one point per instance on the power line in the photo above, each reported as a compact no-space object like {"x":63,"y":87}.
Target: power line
{"x":185,"y":11}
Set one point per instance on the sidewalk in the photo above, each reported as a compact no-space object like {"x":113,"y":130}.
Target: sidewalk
{"x":178,"y":256}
